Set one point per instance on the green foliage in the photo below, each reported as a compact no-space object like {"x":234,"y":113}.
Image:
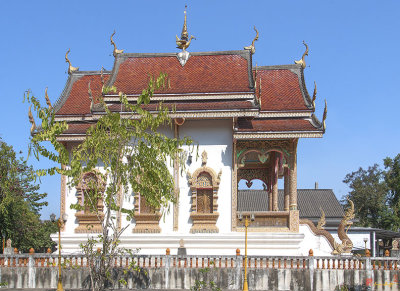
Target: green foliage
{"x":20,"y":203}
{"x":376,"y":194}
{"x":202,"y":281}
{"x":133,"y":155}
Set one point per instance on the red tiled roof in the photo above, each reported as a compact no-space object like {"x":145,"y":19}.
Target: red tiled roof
{"x":78,"y":101}
{"x":201,"y":73}
{"x":265,"y":125}
{"x":205,"y":105}
{"x":280,"y":90}
{"x":77,"y":128}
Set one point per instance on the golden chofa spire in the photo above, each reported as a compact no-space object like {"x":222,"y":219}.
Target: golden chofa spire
{"x":302,"y":62}
{"x":184,"y":42}
{"x":71,"y":69}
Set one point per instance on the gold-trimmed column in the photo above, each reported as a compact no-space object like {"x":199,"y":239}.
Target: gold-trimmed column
{"x":176,"y":183}
{"x":293,"y":177}
{"x":275,"y":185}
{"x":234,"y":187}
{"x":286,"y":189}
{"x":63,"y":196}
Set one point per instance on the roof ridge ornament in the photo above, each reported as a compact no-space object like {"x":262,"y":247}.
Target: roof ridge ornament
{"x":184,"y":42}
{"x":71,"y":69}
{"x":251,"y":47}
{"x":46,"y":96}
{"x":31,"y":120}
{"x":116,"y":51}
{"x":302,"y":62}
{"x":324,"y":116}
{"x":90,"y":98}
{"x":314,"y":95}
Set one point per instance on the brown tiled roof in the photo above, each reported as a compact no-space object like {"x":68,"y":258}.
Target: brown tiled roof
{"x":77,"y":128}
{"x":268,"y":125}
{"x":76,"y":100}
{"x":281,"y":88}
{"x":205,"y":105}
{"x":202,"y":73}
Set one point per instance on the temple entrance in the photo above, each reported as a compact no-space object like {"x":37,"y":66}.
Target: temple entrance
{"x":260,"y":165}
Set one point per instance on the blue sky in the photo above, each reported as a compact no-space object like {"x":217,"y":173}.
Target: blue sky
{"x":353,"y":58}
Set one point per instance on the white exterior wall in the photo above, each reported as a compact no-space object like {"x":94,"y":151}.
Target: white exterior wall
{"x":214,"y":137}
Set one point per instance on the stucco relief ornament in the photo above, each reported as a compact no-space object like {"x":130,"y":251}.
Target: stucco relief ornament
{"x":183,"y":43}
{"x":204,"y":158}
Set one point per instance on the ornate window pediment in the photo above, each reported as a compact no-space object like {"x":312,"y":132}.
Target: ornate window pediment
{"x":91,"y":187}
{"x":204,"y":184}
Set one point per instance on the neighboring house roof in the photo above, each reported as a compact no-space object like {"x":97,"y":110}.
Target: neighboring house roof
{"x":309,"y":203}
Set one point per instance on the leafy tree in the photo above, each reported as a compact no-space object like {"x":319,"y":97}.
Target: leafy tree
{"x":375,"y":193}
{"x":134,"y":156}
{"x":20,"y":203}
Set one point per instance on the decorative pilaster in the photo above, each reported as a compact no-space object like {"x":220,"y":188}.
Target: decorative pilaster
{"x":275,"y":183}
{"x":234,"y":187}
{"x":176,"y":183}
{"x":286,"y":189}
{"x":63,"y":196}
{"x":293,"y":177}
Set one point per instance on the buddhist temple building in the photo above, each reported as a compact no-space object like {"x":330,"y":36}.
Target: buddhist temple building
{"x":247,"y":121}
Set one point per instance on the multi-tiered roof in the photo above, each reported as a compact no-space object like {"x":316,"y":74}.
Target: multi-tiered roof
{"x":265,"y":102}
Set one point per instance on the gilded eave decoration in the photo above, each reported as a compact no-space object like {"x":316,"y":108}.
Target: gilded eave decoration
{"x":302,"y":61}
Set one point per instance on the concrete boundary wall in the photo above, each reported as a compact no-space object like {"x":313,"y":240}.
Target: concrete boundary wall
{"x":181,"y":272}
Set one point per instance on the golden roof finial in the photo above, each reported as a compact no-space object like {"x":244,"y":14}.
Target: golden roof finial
{"x":251,"y":47}
{"x":324,"y":116}
{"x":302,"y":62}
{"x":31,"y":120}
{"x":116,"y":51}
{"x":47,"y":99}
{"x":314,"y":95}
{"x":184,"y":42}
{"x":71,"y":69}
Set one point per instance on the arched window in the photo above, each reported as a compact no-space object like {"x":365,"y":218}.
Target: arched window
{"x":90,"y":196}
{"x":204,"y":193}
{"x":204,"y":185}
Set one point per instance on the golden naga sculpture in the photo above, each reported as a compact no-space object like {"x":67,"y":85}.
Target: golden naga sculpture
{"x":116,"y":51}
{"x":31,"y":120}
{"x":71,"y":69}
{"x":184,"y":42}
{"x":314,"y":95}
{"x":302,"y":62}
{"x":251,"y":47}
{"x":324,"y":116}
{"x":47,"y":99}
{"x":322,"y":221}
{"x":346,"y":246}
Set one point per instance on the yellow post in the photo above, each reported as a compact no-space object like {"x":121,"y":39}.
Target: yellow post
{"x":59,"y":284}
{"x":245,"y":285}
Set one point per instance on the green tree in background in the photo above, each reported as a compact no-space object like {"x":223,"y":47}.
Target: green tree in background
{"x":134,"y":157}
{"x":375,"y":193}
{"x":20,"y":203}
